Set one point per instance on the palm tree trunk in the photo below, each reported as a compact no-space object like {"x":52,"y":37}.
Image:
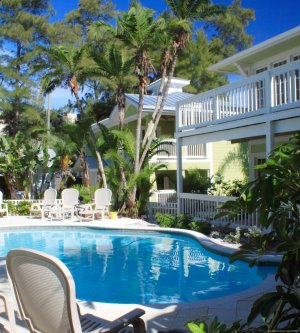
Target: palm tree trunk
{"x":158,"y":115}
{"x":163,"y":65}
{"x":10,"y":183}
{"x":99,"y":160}
{"x":121,"y":106}
{"x":84,"y":168}
{"x":101,"y":168}
{"x":142,"y":86}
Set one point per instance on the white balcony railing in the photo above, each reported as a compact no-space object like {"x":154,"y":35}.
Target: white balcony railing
{"x":167,"y":150}
{"x":268,"y":91}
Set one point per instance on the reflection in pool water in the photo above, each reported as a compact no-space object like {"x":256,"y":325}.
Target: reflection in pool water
{"x":137,"y":267}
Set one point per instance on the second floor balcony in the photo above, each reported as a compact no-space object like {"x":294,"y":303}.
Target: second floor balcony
{"x":275,"y":90}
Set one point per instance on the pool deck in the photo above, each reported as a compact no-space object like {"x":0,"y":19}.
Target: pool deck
{"x":161,"y":317}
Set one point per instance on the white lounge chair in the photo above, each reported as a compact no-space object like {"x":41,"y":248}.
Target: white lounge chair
{"x":102,"y":201}
{"x":46,"y":205}
{"x":45,"y":294}
{"x":3,"y":206}
{"x":69,"y":199}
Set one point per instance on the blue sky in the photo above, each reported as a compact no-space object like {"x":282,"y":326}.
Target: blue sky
{"x":272,"y":18}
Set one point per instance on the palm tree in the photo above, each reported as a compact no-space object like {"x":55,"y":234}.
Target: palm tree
{"x":137,"y":29}
{"x":114,"y":68}
{"x":65,"y":68}
{"x":65,"y":150}
{"x":18,"y":160}
{"x":180,"y":30}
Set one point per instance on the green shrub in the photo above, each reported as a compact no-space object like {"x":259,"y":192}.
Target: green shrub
{"x":234,"y":237}
{"x":196,"y":181}
{"x":23,"y":208}
{"x":183,"y":221}
{"x":165,"y":220}
{"x":12,"y":209}
{"x":86,"y":194}
{"x":202,"y":227}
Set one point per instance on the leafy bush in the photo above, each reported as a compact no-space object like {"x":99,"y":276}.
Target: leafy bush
{"x":252,"y":234}
{"x":275,"y":194}
{"x":165,"y":220}
{"x":229,"y":188}
{"x":22,"y":208}
{"x":182,"y":221}
{"x":202,"y":227}
{"x":86,"y":194}
{"x":233,"y":237}
{"x":196,"y":181}
{"x":11,"y":208}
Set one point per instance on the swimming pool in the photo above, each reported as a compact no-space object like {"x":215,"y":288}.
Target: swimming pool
{"x":137,"y":267}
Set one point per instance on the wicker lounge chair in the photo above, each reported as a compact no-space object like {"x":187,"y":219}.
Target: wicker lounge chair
{"x":45,"y":293}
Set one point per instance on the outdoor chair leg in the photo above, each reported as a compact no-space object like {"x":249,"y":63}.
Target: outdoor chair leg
{"x":10,"y":313}
{"x":139,"y":326}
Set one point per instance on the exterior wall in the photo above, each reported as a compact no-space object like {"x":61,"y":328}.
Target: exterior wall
{"x":94,"y":177}
{"x":130,"y":111}
{"x":220,"y":152}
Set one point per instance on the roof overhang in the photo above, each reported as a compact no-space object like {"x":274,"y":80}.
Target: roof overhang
{"x":283,"y":42}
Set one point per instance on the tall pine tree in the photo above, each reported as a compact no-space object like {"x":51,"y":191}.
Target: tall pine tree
{"x":23,"y":26}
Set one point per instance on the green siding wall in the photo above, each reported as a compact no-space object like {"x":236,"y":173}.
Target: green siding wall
{"x":220,"y":151}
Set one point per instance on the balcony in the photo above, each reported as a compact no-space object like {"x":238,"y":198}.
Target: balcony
{"x":265,"y":93}
{"x":167,"y":151}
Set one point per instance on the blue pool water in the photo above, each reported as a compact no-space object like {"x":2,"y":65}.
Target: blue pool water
{"x":137,"y":267}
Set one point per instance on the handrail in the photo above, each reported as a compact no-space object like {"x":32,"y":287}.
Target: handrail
{"x":261,"y":93}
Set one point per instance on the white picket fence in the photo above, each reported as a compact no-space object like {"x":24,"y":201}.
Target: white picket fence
{"x":201,"y":207}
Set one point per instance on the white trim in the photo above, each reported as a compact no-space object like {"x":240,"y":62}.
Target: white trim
{"x":295,"y":32}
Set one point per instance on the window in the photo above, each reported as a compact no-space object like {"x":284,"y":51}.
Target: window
{"x":259,"y":161}
{"x":279,"y":63}
{"x":260,"y":94}
{"x":262,"y":69}
{"x":296,"y":57}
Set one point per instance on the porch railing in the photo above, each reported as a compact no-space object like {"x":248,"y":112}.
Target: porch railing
{"x":201,"y":207}
{"x":167,"y":150}
{"x":268,"y":91}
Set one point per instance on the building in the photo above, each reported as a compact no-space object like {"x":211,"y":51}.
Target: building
{"x":261,"y":110}
{"x":195,"y":156}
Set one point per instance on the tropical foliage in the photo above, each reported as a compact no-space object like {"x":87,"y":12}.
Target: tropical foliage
{"x":98,"y":63}
{"x":276,"y":195}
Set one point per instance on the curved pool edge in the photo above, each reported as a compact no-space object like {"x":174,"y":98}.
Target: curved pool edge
{"x":164,"y":316}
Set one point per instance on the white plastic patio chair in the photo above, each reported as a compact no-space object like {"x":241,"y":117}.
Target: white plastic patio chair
{"x":45,"y":294}
{"x":69,"y":199}
{"x":3,"y":206}
{"x":46,"y":205}
{"x":102,"y":201}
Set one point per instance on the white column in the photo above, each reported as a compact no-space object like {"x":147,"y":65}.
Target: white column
{"x":269,"y":138}
{"x":179,"y":172}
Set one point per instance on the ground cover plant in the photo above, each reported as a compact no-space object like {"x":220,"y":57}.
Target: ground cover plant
{"x":276,"y":194}
{"x":182,"y":221}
